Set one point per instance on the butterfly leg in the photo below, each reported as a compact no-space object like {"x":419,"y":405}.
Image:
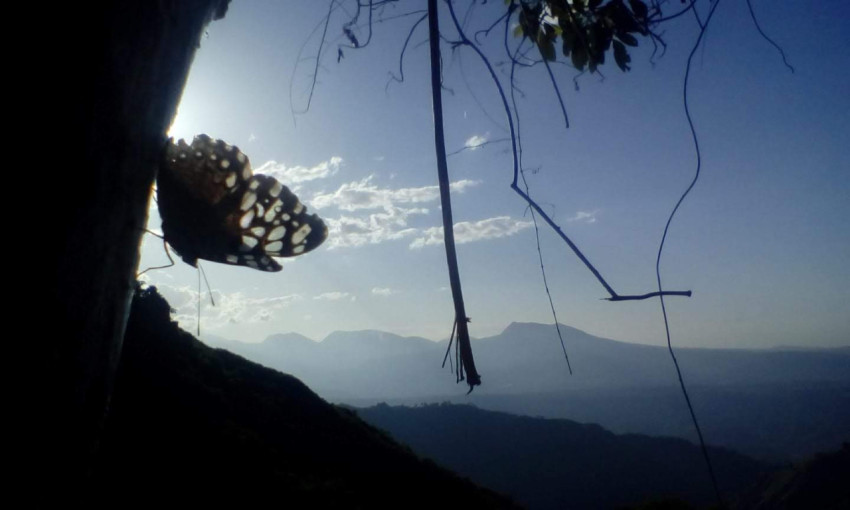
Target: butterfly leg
{"x":167,"y":253}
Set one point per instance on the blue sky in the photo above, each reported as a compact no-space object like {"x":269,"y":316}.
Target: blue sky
{"x":763,"y":240}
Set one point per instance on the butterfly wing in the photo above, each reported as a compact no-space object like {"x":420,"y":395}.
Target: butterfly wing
{"x":214,"y":208}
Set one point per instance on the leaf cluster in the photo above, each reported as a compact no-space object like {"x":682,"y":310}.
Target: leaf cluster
{"x":587,"y":29}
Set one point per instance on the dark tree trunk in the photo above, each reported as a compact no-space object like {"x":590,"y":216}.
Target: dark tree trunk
{"x":116,"y":73}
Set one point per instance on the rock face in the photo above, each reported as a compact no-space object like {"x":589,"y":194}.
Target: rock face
{"x":199,"y":425}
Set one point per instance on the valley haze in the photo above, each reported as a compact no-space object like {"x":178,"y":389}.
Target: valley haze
{"x":775,"y":404}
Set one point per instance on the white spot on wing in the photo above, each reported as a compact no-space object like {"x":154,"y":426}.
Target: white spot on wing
{"x":271,"y":212}
{"x":249,"y":242}
{"x":298,"y":208}
{"x":277,"y":233}
{"x":246,"y":219}
{"x":298,"y":249}
{"x":248,"y":200}
{"x":276,"y":189}
{"x":258,"y":231}
{"x":274,"y":247}
{"x":299,"y":235}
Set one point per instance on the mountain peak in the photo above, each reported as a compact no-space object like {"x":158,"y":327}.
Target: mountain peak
{"x":535,"y":327}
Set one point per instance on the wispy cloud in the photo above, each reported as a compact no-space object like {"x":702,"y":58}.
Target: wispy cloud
{"x":364,"y":194}
{"x":230,"y":308}
{"x":376,"y":228}
{"x":298,"y":174}
{"x":475,"y":141}
{"x":468,"y":232}
{"x":584,"y":217}
{"x":334,"y":296}
{"x":383,"y":291}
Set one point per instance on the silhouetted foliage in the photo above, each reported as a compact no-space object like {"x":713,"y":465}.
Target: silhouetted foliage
{"x":587,"y":29}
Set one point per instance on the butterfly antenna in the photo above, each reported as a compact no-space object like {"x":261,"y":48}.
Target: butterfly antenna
{"x":204,"y":273}
{"x":199,"y":300}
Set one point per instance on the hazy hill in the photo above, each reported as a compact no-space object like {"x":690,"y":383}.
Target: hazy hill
{"x":775,"y":404}
{"x":553,"y":464}
{"x":190,"y":425}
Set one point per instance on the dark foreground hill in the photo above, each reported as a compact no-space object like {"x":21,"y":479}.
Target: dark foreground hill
{"x":822,"y":482}
{"x":204,"y":427}
{"x":550,"y":464}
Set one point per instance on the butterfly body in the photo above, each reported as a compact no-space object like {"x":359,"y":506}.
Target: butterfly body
{"x":214,"y":208}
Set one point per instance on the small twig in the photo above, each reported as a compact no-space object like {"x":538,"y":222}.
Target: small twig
{"x":318,"y":60}
{"x":674,"y":16}
{"x":478,"y":146}
{"x":557,"y":92}
{"x":449,"y":347}
{"x":661,"y":249}
{"x":400,"y":78}
{"x":766,"y":38}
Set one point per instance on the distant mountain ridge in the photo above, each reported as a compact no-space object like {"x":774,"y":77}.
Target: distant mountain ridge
{"x":804,"y":394}
{"x":526,"y":358}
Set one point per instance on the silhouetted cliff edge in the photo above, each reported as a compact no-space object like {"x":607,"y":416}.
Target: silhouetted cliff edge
{"x":192,"y":424}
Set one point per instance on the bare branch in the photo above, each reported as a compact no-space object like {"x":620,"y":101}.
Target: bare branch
{"x":534,"y":216}
{"x":463,"y":343}
{"x":514,"y":184}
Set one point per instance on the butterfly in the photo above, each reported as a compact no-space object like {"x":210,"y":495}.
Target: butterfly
{"x":213,"y":207}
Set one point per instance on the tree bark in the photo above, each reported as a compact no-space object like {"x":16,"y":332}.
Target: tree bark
{"x":118,"y":70}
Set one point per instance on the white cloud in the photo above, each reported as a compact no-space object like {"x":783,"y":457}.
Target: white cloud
{"x":335,"y":296}
{"x":390,"y":223}
{"x":475,"y":141}
{"x":230,"y":308}
{"x":383,"y":291}
{"x":468,"y":232}
{"x":363,"y":194}
{"x":350,"y":231}
{"x":296,"y":174}
{"x":584,"y":216}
